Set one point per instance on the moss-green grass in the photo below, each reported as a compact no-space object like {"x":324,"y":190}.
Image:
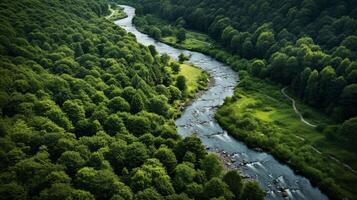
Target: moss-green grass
{"x":192,"y":75}
{"x":196,"y":78}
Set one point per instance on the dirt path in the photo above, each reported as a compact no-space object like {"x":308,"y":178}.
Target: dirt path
{"x":313,"y":125}
{"x":295,"y":109}
{"x":111,"y":12}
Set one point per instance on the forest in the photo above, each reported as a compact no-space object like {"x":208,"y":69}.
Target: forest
{"x":87,"y":112}
{"x":308,"y":47}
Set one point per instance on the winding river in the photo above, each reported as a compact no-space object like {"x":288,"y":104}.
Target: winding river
{"x":276,"y":178}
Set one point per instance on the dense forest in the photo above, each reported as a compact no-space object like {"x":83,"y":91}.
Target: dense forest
{"x":307,"y":46}
{"x":87,"y":113}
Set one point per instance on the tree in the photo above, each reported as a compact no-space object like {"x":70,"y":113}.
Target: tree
{"x":138,"y":125}
{"x":116,"y":155}
{"x":175,"y":93}
{"x":212,"y":166}
{"x":247,"y":48}
{"x":156,"y":33}
{"x":234,"y":182}
{"x":257,"y":67}
{"x":194,"y":190}
{"x":166,"y":157}
{"x":96,"y":160}
{"x":304,"y":77}
{"x":176,"y":67}
{"x":184,"y":175}
{"x":227,"y":35}
{"x":182,"y":57}
{"x":327,"y":75}
{"x":152,"y":174}
{"x":312,"y":88}
{"x":136,"y":103}
{"x":216,"y":188}
{"x":348,"y":100}
{"x":113,"y":125}
{"x":78,"y":49}
{"x":252,"y":191}
{"x":165,"y":58}
{"x":264,"y":42}
{"x":136,"y":154}
{"x":190,"y":144}
{"x":31,"y":171}
{"x":181,"y":83}
{"x":159,"y":105}
{"x":236,"y":43}
{"x":181,"y":35}
{"x":118,"y":104}
{"x":72,"y":160}
{"x":60,"y":191}
{"x":103,"y":184}
{"x":348,"y":130}
{"x":153,"y":51}
{"x":74,"y":111}
{"x":148,"y":194}
{"x":350,"y":42}
{"x":58,"y":117}
{"x":12,"y":191}
{"x":277,"y":66}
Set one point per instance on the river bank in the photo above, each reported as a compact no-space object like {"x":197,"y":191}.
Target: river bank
{"x":261,"y":116}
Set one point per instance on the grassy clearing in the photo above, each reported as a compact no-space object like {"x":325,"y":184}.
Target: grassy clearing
{"x":193,"y":75}
{"x":116,"y":13}
{"x":196,"y":78}
{"x":194,"y":41}
{"x":261,"y":116}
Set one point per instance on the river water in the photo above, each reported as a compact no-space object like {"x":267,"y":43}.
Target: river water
{"x":276,"y":178}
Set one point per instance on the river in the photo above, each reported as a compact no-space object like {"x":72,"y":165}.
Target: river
{"x":277,"y":179}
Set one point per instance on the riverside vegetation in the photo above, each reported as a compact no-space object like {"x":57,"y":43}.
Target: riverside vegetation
{"x":87,"y":112}
{"x":307,"y":45}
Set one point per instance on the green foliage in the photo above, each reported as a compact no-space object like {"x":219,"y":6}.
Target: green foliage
{"x":103,"y":184}
{"x":252,"y":190}
{"x":118,"y":104}
{"x":181,"y":83}
{"x":114,"y":124}
{"x":137,"y":103}
{"x":273,"y":127}
{"x":72,"y":161}
{"x":148,"y":194}
{"x":217,"y":188}
{"x":212,"y":166}
{"x":181,"y":35}
{"x":136,"y":154}
{"x":182,"y":58}
{"x":175,"y":67}
{"x":234,"y":182}
{"x":348,"y":130}
{"x":155,"y":33}
{"x":84,"y":108}
{"x":159,"y":106}
{"x":166,"y":157}
{"x":184,"y":175}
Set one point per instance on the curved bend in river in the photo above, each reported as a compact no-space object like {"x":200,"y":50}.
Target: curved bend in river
{"x":198,"y":118}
